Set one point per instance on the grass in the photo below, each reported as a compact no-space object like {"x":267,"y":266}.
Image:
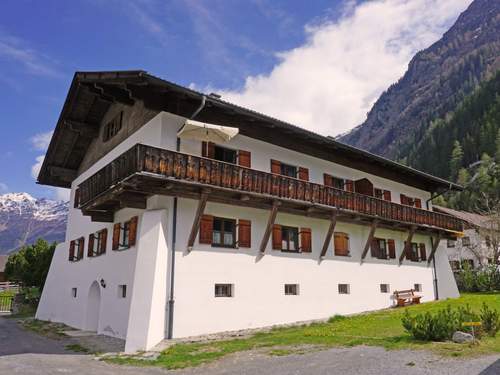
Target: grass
{"x":77,"y":348}
{"x":382,"y":328}
{"x":47,"y":329}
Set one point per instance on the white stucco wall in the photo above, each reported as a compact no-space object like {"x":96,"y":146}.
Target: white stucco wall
{"x":259,"y":298}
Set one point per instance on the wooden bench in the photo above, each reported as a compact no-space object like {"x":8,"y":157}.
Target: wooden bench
{"x":406,"y":296}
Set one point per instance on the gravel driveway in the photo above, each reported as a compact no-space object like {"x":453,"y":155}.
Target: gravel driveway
{"x":27,"y":353}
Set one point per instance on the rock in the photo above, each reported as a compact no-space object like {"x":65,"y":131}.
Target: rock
{"x":462,"y":337}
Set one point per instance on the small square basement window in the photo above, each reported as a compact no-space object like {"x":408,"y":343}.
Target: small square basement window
{"x":223,"y":290}
{"x":122,"y":291}
{"x":417,"y":287}
{"x":291,"y":289}
{"x":344,"y":289}
{"x":384,"y":288}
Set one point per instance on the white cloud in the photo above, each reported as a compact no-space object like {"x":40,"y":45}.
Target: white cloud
{"x":41,"y":141}
{"x":33,"y":61}
{"x":3,"y":188}
{"x":62,"y":194}
{"x":35,"y":168}
{"x":329,"y":84}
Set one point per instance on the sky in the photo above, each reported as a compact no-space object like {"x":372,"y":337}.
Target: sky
{"x":318,"y":64}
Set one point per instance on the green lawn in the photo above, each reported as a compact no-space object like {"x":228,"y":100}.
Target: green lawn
{"x":381,"y":328}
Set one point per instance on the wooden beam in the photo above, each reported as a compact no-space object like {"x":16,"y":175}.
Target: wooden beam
{"x":132,"y":200}
{"x":196,"y":222}
{"x":329,"y":234}
{"x":369,"y":239}
{"x":83,"y":128}
{"x":434,"y":244}
{"x":269,"y":228}
{"x":65,"y":174}
{"x":407,"y":246}
{"x":102,"y":217}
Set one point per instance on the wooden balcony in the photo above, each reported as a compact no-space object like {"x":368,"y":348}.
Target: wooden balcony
{"x":143,"y":171}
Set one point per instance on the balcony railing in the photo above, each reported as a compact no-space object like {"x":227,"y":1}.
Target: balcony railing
{"x":209,"y":172}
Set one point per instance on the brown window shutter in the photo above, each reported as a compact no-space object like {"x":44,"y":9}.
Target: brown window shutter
{"x":423,"y":253}
{"x":375,"y":248}
{"x":244,"y":233}
{"x":71,"y":250}
{"x":392,"y":249}
{"x":90,"y":250}
{"x":349,"y":185}
{"x":327,"y":180}
{"x":132,"y":236}
{"x":387,"y":195}
{"x":275,"y":166}
{"x":208,"y":149}
{"x":104,"y":237}
{"x":341,"y":243}
{"x":76,"y":202}
{"x":305,"y":240}
{"x":116,"y":236}
{"x":408,"y":253}
{"x":81,"y":247}
{"x":418,"y":203}
{"x":277,"y":237}
{"x":404,"y":199}
{"x":206,"y":229}
{"x":303,"y":174}
{"x":244,"y":158}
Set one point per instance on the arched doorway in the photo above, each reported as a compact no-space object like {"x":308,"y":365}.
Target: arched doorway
{"x":93,"y":307}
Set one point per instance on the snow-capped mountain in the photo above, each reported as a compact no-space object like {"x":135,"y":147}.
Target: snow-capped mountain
{"x":24,"y":219}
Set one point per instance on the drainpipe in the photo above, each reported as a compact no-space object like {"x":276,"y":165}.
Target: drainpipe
{"x":171,"y":295}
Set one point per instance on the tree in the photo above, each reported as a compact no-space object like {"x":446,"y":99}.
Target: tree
{"x":457,"y":155}
{"x":31,"y":264}
{"x":497,"y":147}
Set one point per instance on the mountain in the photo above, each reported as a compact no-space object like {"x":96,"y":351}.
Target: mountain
{"x":437,"y":80}
{"x":24,"y":219}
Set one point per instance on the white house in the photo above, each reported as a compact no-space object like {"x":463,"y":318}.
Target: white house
{"x":477,"y":246}
{"x":172,"y":237}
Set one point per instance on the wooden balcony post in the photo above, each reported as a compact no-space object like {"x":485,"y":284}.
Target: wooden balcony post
{"x":407,"y":244}
{"x":434,"y":244}
{"x":269,"y":228}
{"x":196,"y":222}
{"x":329,"y":234}
{"x":369,"y":240}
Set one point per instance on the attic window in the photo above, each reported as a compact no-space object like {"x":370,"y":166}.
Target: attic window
{"x":112,"y":128}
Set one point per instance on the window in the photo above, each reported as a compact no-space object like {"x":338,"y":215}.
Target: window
{"x":289,"y":239}
{"x":291,"y":289}
{"x":413,"y":256}
{"x":408,"y":201}
{"x":468,"y":263}
{"x":379,"y":248}
{"x":223,"y":234}
{"x":225,"y":154}
{"x":288,"y":170}
{"x":124,"y":234}
{"x":97,"y":243}
{"x":341,"y":243}
{"x":450,"y":243}
{"x":74,"y":292}
{"x":112,"y":128}
{"x":223,"y":290}
{"x":76,"y":248}
{"x":385,"y":288}
{"x":487,"y":241}
{"x":332,"y":181}
{"x":465,"y":241}
{"x":417,"y":287}
{"x":122,"y":291}
{"x":344,"y":289}
{"x":455,"y":265}
{"x":382,"y":194}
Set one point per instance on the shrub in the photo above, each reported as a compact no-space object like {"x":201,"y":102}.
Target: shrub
{"x":490,"y":319}
{"x":433,"y":327}
{"x":486,"y":279}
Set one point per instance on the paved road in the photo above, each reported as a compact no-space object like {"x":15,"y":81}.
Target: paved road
{"x":26,"y":353}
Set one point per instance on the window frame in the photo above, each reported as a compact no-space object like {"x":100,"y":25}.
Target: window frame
{"x":465,"y":240}
{"x":113,"y":127}
{"x":225,"y":150}
{"x":224,"y":287}
{"x":341,"y":290}
{"x":387,"y":288}
{"x":292,"y":168}
{"x":291,"y":289}
{"x":295,"y":232}
{"x":79,"y":249}
{"x":124,"y":242}
{"x":222,"y":232}
{"x":383,"y":250}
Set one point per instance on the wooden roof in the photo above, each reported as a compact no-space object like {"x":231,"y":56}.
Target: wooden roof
{"x":91,"y":94}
